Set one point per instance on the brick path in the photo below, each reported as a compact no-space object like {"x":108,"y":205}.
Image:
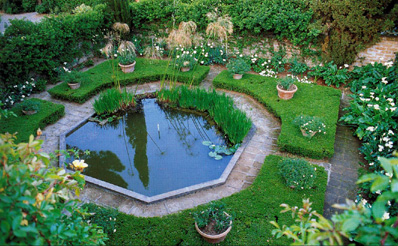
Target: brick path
{"x":341,"y":168}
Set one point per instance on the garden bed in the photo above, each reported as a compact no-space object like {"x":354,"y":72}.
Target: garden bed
{"x":26,"y":125}
{"x":252,"y":210}
{"x":310,"y":100}
{"x":146,"y":70}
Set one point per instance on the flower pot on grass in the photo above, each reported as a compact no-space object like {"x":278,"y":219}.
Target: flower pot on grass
{"x":286,"y":88}
{"x":127,"y":68}
{"x":73,"y":79}
{"x":127,"y":61}
{"x":238,"y":76}
{"x":238,"y":67}
{"x":185,"y":69}
{"x":30,"y":107}
{"x":213,"y":224}
{"x":74,"y":86}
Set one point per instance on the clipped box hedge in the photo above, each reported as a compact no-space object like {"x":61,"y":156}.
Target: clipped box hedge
{"x":252,"y":210}
{"x":310,"y":99}
{"x":27,"y":125}
{"x":146,"y":70}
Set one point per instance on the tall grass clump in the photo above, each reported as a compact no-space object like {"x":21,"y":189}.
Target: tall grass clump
{"x":233,"y":122}
{"x":113,"y":100}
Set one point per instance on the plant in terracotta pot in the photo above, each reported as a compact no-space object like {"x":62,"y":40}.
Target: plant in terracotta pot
{"x":127,"y":61}
{"x":30,"y":107}
{"x":73,"y":79}
{"x":310,"y":125}
{"x":286,"y":88}
{"x":213,"y":223}
{"x":238,"y":67}
{"x":185,"y":61}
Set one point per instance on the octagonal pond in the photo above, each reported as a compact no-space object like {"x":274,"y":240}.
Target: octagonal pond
{"x":152,"y":151}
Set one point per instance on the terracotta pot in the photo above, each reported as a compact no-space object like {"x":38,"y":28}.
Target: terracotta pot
{"x":127,"y":68}
{"x":185,"y":69}
{"x":214,"y":238}
{"x":74,"y":85}
{"x":305,"y":134}
{"x":29,"y":112}
{"x":237,"y":76}
{"x":286,"y":94}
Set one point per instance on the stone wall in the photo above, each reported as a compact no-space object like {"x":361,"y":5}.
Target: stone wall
{"x":382,"y":51}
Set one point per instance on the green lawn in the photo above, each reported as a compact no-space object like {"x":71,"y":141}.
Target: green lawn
{"x":146,"y":70}
{"x":26,"y":125}
{"x":252,"y":208}
{"x":310,"y":99}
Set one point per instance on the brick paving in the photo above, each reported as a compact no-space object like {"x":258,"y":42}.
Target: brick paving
{"x":341,"y":168}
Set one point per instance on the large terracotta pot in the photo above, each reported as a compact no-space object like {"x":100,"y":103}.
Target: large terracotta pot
{"x":214,"y":238}
{"x":286,"y":94}
{"x":237,"y":76}
{"x":74,"y":86}
{"x":127,"y":68}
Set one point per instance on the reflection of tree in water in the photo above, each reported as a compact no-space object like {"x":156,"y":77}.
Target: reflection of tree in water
{"x":137,"y":133}
{"x":103,"y":165}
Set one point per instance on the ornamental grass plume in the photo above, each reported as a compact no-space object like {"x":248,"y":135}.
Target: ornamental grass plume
{"x":184,"y":35}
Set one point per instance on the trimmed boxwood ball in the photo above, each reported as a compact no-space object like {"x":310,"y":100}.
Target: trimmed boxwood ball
{"x":298,"y":173}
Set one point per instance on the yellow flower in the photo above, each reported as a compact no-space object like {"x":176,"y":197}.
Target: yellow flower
{"x":79,"y":165}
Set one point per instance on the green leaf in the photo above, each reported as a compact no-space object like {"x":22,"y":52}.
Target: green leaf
{"x":378,"y":209}
{"x":385,"y":163}
{"x":212,"y":154}
{"x":394,"y":185}
{"x":380,"y":183}
{"x":351,"y":224}
{"x":207,"y":143}
{"x":5,"y":227}
{"x":367,"y":178}
{"x":218,"y":157}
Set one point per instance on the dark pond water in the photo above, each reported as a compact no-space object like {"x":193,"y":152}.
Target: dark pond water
{"x":132,"y":153}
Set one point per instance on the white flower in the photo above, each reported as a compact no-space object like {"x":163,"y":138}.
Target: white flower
{"x":393,"y":109}
{"x":377,"y":99}
{"x":364,"y":201}
{"x":178,"y":57}
{"x":386,"y":216}
{"x":346,"y":65}
{"x":115,"y":55}
{"x":389,"y":144}
{"x":114,"y":230}
{"x":240,"y":55}
{"x":363,"y":87}
{"x":390,"y":132}
{"x":194,"y":51}
{"x":202,"y":62}
{"x":388,"y":175}
{"x":370,"y":128}
{"x":384,"y":80}
{"x":378,"y":192}
{"x":371,"y":164}
{"x":381,"y":147}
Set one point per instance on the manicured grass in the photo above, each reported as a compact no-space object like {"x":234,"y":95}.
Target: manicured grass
{"x":310,"y":100}
{"x":252,"y":209}
{"x":27,"y":125}
{"x":146,"y":70}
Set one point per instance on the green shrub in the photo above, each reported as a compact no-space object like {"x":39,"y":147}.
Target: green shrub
{"x":72,"y":77}
{"x":287,"y":82}
{"x":215,"y":213}
{"x":310,"y":124}
{"x":38,"y":201}
{"x":238,"y":66}
{"x":184,"y":60}
{"x":146,"y":70}
{"x":30,"y":105}
{"x":234,"y":123}
{"x":113,"y":100}
{"x":127,"y":57}
{"x":310,"y":99}
{"x":103,"y":217}
{"x":27,"y":125}
{"x":297,"y":67}
{"x":298,"y":173}
{"x":331,"y":73}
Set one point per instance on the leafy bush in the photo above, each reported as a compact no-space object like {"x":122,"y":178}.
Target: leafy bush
{"x":30,"y":105}
{"x":127,"y":57}
{"x":234,"y":123}
{"x":287,"y":83}
{"x":113,"y":100}
{"x":27,"y":125}
{"x":215,"y":213}
{"x":298,"y":173}
{"x":12,"y":94}
{"x":331,"y":73}
{"x":238,"y":66}
{"x":72,"y":77}
{"x":312,"y":99}
{"x":103,"y":217}
{"x":40,"y":199}
{"x":297,"y":67}
{"x":185,"y":59}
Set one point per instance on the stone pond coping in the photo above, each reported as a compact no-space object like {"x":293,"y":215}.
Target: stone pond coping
{"x":150,"y":199}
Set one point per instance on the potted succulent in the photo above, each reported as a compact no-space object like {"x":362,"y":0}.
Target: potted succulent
{"x":185,"y":61}
{"x":127,"y":61}
{"x":213,"y":224}
{"x":73,"y":79}
{"x":286,"y":88}
{"x":30,"y":107}
{"x":238,"y":67}
{"x":310,"y":125}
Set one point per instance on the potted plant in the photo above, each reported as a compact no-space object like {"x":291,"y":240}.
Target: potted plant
{"x":127,"y":61}
{"x":213,"y":224}
{"x":73,"y":79}
{"x":238,"y":67}
{"x":310,"y":125}
{"x":286,"y":88}
{"x":185,"y":61}
{"x":30,"y":107}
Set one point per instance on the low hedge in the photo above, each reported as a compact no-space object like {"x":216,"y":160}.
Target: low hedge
{"x":146,"y":70}
{"x":27,"y":125}
{"x":251,"y":208}
{"x":310,"y":99}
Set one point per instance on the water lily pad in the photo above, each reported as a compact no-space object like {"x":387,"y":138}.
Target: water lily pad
{"x":206,"y":143}
{"x":218,"y":157}
{"x":212,"y":154}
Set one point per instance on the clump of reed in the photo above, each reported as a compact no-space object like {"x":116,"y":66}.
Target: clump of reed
{"x":113,"y":100}
{"x":233,"y":122}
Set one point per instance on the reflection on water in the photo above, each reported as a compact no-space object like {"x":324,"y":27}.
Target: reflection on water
{"x":151,"y":151}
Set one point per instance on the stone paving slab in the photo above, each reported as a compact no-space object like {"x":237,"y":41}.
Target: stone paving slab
{"x":341,"y":168}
